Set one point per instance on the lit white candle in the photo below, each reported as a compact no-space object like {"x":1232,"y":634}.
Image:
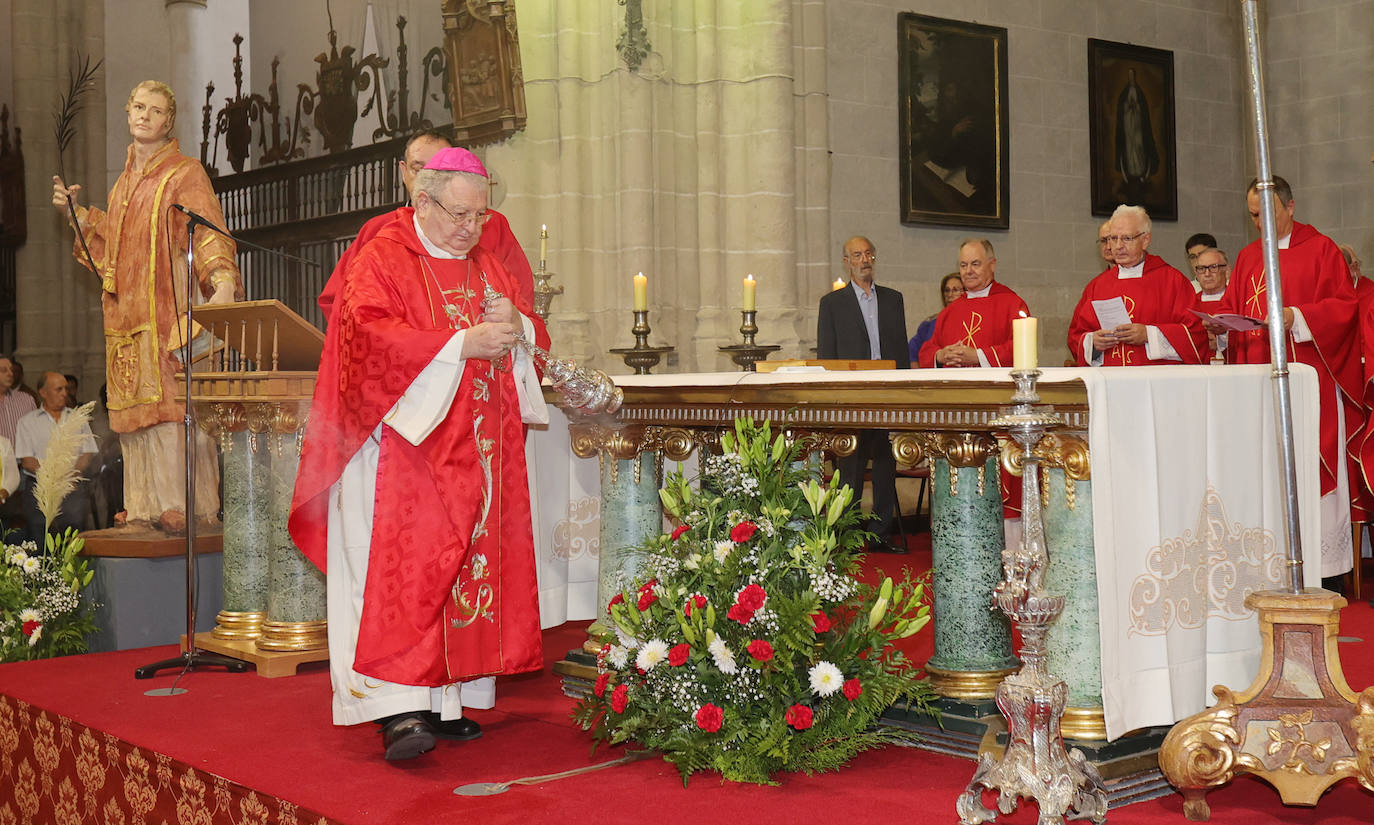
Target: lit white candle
{"x":839,"y":284}
{"x":1023,"y":340}
{"x":641,"y":292}
{"x":749,"y":293}
{"x":543,"y":242}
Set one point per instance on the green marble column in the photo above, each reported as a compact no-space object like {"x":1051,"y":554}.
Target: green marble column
{"x":973,"y":649}
{"x":295,"y":589}
{"x":630,"y":513}
{"x":247,"y":513}
{"x":1074,"y":651}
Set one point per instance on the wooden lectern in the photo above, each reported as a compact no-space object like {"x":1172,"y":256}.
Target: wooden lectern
{"x":254,"y":397}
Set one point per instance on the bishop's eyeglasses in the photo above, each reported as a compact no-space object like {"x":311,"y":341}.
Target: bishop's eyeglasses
{"x":465,"y":218}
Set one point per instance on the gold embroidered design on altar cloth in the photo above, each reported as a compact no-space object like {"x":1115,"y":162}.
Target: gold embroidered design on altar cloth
{"x":1207,"y":572}
{"x":578,"y":534}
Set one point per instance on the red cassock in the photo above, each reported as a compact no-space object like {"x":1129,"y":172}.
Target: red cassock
{"x":496,"y":238}
{"x":1316,"y":282}
{"x":1211,"y":308}
{"x":982,"y":323}
{"x":1161,"y":297}
{"x":450,"y":591}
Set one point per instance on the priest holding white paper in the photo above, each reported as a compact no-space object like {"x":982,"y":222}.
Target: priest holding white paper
{"x":1139,"y":311}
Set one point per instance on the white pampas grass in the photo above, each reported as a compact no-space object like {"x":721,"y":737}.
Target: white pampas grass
{"x":57,"y":475}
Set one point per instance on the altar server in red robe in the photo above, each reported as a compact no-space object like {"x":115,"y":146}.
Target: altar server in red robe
{"x":1160,"y":326}
{"x":1212,"y":273}
{"x":412,"y":491}
{"x":497,"y":237}
{"x":975,"y":330}
{"x":1319,"y":314}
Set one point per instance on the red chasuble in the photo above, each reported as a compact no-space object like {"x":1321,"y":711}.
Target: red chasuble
{"x":450,"y":591}
{"x":496,"y":238}
{"x":1316,"y":282}
{"x":982,"y":323}
{"x":1160,"y":297}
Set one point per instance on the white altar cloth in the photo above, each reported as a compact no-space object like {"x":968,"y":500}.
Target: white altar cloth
{"x":1187,"y":517}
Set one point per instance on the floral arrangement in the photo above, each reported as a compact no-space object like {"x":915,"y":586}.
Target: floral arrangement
{"x":41,"y":612}
{"x":746,"y":645}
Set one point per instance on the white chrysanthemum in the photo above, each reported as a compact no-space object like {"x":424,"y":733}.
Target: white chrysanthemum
{"x":37,"y":634}
{"x":31,"y":565}
{"x":723,"y":549}
{"x":618,"y":656}
{"x":28,"y":614}
{"x":825,"y":678}
{"x":626,"y":641}
{"x":18,"y":557}
{"x":653,"y":652}
{"x":721,"y":655}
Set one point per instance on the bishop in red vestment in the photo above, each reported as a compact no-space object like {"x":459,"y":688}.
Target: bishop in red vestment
{"x":412,"y":491}
{"x":1161,"y":328}
{"x":1319,"y":314}
{"x":975,"y":330}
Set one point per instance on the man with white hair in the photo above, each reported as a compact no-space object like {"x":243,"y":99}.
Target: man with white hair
{"x":1148,"y":305}
{"x":412,"y":490}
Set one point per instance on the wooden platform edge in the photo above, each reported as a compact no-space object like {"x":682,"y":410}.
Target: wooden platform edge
{"x":269,"y":664}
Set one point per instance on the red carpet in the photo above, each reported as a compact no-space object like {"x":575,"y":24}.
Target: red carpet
{"x":275,"y":738}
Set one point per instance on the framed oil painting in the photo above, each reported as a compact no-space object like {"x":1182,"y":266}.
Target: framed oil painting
{"x":1131,"y":128}
{"x":952,"y":122}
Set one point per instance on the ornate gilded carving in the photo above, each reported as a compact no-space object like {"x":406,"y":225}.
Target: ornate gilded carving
{"x":908,"y":449}
{"x":672,"y":443}
{"x":1058,"y":450}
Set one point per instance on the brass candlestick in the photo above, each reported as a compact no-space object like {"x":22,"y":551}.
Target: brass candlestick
{"x":748,"y":354}
{"x":543,"y":291}
{"x":1034,"y":764}
{"x":641,"y":357}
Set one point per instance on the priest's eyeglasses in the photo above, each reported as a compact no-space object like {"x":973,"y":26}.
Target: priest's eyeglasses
{"x":465,"y":218}
{"x":1115,"y":239}
{"x":1211,"y":268}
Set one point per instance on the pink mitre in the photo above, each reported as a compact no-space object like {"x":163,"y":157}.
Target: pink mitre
{"x":456,"y":159}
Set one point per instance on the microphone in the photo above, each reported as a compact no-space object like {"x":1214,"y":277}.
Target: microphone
{"x":195,"y":218}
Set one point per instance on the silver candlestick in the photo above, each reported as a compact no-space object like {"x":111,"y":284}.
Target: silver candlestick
{"x":1034,"y":764}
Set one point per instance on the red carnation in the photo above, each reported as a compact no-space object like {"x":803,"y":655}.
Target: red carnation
{"x":677,"y":656}
{"x":615,"y":600}
{"x":695,"y":602}
{"x":760,"y":650}
{"x":646,"y":598}
{"x":30,"y":627}
{"x":852,"y":689}
{"x":798,"y":716}
{"x":648,"y":585}
{"x":601,"y":682}
{"x":743,"y":531}
{"x":709,"y":717}
{"x":620,"y":697}
{"x":752,"y":597}
{"x":679,"y":530}
{"x":820,"y":622}
{"x":740,"y":614}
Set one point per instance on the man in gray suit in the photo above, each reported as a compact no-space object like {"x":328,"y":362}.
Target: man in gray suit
{"x":865,"y":320}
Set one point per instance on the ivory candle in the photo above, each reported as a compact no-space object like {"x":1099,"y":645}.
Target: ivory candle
{"x":839,"y":284}
{"x":543,"y":242}
{"x":1023,"y":340}
{"x":749,"y":285}
{"x":641,"y":292}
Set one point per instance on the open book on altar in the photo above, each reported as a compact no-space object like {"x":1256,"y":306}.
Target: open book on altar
{"x":1232,"y":321}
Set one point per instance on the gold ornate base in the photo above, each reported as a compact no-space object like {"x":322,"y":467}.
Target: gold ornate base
{"x":1298,"y":727}
{"x":232,"y":625}
{"x":967,"y":684}
{"x":1083,"y":723}
{"x":293,"y":636}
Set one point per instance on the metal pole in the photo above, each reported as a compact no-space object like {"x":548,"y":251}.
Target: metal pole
{"x":1273,"y":284}
{"x":187,"y":420}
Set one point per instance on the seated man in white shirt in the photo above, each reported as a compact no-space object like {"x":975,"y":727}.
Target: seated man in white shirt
{"x":31,"y":447}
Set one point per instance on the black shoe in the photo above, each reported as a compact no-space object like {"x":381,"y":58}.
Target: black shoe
{"x":885,"y":546}
{"x":463,"y":730}
{"x":407,"y":736}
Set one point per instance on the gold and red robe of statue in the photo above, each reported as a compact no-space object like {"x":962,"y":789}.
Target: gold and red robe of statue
{"x":1161,"y":297}
{"x":1316,"y":282}
{"x":139,"y":247}
{"x":496,"y":238}
{"x":981,"y":323}
{"x":450,"y":592}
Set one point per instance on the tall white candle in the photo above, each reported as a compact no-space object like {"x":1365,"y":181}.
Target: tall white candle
{"x":1023,"y":340}
{"x":641,"y":292}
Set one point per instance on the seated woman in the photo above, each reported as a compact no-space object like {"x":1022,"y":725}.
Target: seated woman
{"x":951,"y":287}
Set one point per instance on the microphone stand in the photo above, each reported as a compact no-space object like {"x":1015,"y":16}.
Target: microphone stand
{"x":191,"y":657}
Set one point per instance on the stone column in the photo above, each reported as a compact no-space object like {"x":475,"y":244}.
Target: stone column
{"x":295,"y":588}
{"x":247,"y":516}
{"x":973,"y":650}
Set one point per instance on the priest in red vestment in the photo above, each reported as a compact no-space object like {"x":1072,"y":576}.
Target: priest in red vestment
{"x":412,"y":491}
{"x":1319,"y":314}
{"x":975,"y":330}
{"x":1148,"y":305}
{"x":497,"y":237}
